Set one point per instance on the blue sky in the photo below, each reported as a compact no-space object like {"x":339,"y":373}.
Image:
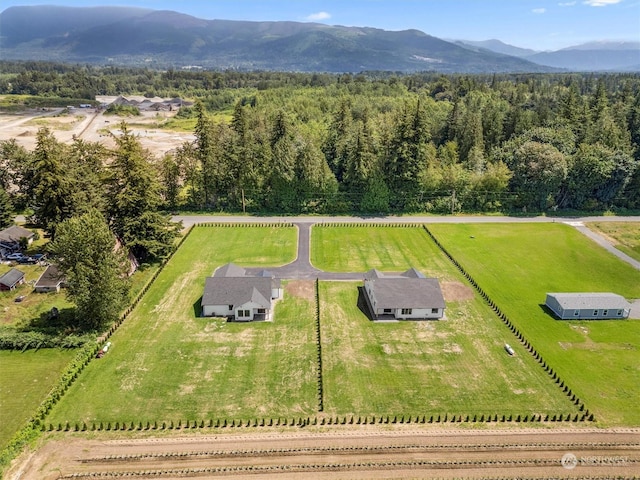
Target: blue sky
{"x":536,"y":24}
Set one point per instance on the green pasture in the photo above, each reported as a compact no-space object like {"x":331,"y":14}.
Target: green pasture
{"x":167,"y":363}
{"x":624,"y":235}
{"x":25,"y":379}
{"x":517,"y":264}
{"x":456,"y":366}
{"x":358,"y":249}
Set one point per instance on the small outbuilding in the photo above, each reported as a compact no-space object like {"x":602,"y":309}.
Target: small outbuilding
{"x":234,"y":293}
{"x":588,"y":306}
{"x":51,"y":280}
{"x":11,"y":279}
{"x":406,"y":296}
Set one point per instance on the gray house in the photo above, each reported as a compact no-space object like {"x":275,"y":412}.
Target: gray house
{"x":234,"y":293}
{"x":11,"y":279}
{"x":10,"y":237}
{"x":51,"y":280}
{"x":407,"y":296}
{"x":588,"y":306}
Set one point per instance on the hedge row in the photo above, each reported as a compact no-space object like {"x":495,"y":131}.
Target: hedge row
{"x":319,"y":350}
{"x":82,"y":359}
{"x":554,"y":376}
{"x":249,"y":225}
{"x":315,"y":420}
{"x":369,"y":224}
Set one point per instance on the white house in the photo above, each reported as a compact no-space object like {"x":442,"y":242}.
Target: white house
{"x":588,"y":306}
{"x":234,"y":293}
{"x":407,"y":296}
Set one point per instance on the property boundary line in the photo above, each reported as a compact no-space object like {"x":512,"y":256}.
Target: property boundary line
{"x":523,"y":341}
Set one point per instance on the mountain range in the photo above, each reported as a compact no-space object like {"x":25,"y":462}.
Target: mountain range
{"x":137,"y":36}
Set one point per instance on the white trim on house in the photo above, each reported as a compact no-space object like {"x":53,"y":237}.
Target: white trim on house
{"x":588,"y":306}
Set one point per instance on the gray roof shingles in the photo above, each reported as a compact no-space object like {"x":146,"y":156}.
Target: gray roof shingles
{"x":587,"y":301}
{"x":11,"y":278}
{"x":237,"y":291}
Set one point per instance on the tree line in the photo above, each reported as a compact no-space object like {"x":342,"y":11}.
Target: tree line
{"x":376,"y":142}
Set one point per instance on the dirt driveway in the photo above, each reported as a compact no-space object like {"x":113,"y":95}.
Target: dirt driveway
{"x":351,"y":452}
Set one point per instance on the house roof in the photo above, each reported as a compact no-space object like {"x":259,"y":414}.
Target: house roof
{"x":230,"y":270}
{"x":12,"y":277}
{"x":237,"y":291}
{"x":14,"y":233}
{"x":409,"y":289}
{"x":51,"y":277}
{"x":588,"y":301}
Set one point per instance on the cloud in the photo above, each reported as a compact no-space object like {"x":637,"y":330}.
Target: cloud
{"x":567,"y":4}
{"x":601,"y":3}
{"x":539,"y":10}
{"x":316,"y":17}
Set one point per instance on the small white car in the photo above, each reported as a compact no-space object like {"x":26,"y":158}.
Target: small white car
{"x":14,"y":256}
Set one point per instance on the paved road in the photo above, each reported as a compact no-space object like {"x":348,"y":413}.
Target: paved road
{"x":301,"y":268}
{"x":188,"y":220}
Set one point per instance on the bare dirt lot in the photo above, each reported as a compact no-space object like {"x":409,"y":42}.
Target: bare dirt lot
{"x":349,"y":453}
{"x":91,"y":125}
{"x":456,"y":291}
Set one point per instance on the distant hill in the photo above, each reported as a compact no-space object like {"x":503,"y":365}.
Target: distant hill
{"x":499,"y":47}
{"x":593,"y":56}
{"x":590,"y":57}
{"x":124,"y":35}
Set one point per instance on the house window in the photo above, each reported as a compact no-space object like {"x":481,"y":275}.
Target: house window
{"x":230,"y":307}
{"x":262,"y":310}
{"x":605,"y":313}
{"x":388,"y":310}
{"x":595,"y":313}
{"x":406,"y":311}
{"x":244,"y":313}
{"x":434,"y":310}
{"x":576,"y":313}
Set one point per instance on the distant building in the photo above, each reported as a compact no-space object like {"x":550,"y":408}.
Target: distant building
{"x":234,"y":293}
{"x":11,"y":279}
{"x":407,"y":296}
{"x":10,"y":237}
{"x":588,"y":306}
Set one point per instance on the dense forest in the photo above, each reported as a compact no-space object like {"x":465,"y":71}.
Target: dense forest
{"x":371,"y":143}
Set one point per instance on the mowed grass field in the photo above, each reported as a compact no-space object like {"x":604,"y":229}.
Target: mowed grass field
{"x":624,"y":235}
{"x":25,"y":380}
{"x":167,"y":363}
{"x":517,"y":264}
{"x":387,"y":248}
{"x":456,"y":366}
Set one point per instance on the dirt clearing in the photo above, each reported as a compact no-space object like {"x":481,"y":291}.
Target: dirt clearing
{"x":456,"y":291}
{"x":301,"y":288}
{"x":350,"y":453}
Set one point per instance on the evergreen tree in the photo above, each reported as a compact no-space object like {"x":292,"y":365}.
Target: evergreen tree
{"x":6,"y":209}
{"x":50,"y":183}
{"x":134,"y":197}
{"x":95,"y":272}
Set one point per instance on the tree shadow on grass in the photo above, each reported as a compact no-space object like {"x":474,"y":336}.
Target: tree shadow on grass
{"x":55,"y":322}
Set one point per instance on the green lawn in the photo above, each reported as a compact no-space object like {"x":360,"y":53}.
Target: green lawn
{"x":358,"y":249}
{"x":25,"y":380}
{"x":624,"y":235}
{"x":166,"y":363}
{"x":456,"y":366}
{"x":517,"y":264}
